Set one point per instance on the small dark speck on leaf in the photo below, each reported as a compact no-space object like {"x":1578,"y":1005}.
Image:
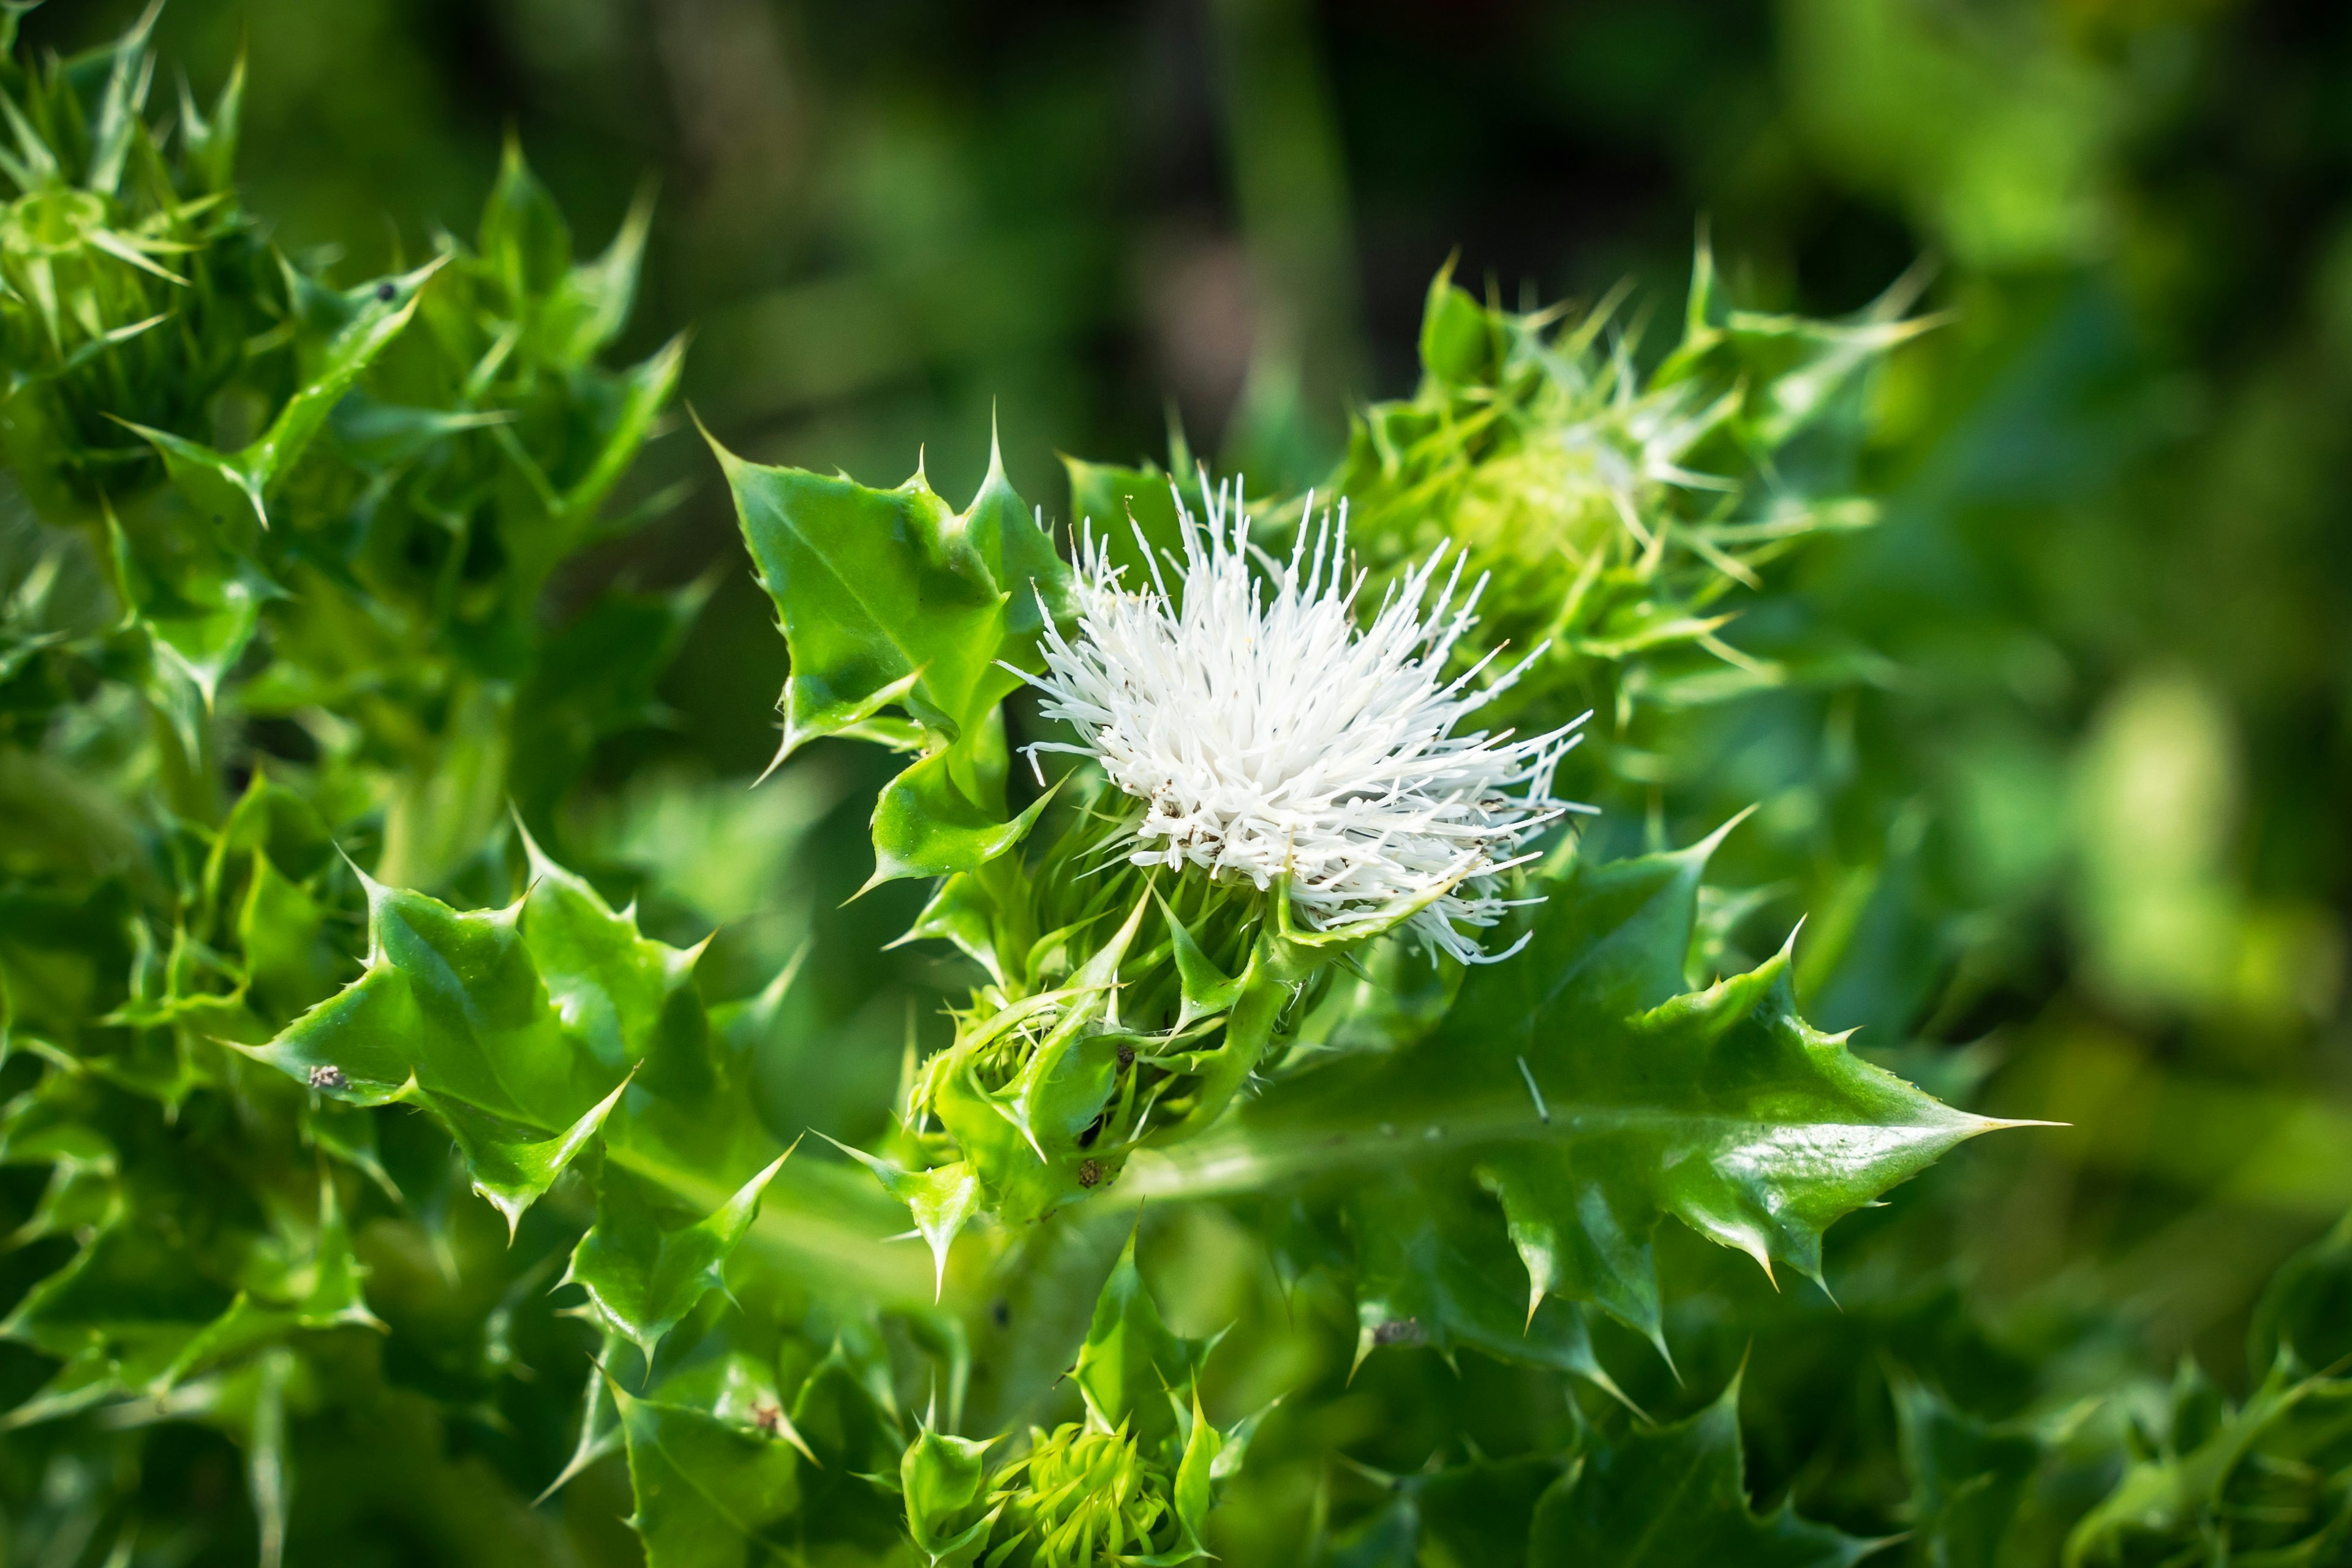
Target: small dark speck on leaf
{"x":1398,"y":1331}
{"x":386,"y":292}
{"x":1089,"y":1172}
{"x":1001,"y":1313}
{"x":329,"y":1075}
{"x":768,"y":1418}
{"x":1126,"y":1057}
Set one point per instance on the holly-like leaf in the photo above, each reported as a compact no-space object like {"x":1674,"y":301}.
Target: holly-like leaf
{"x":643,"y":1275}
{"x":941,"y":1201}
{"x":890,"y":599}
{"x":1673,"y":1496}
{"x":614,"y":989}
{"x":942,"y":1477}
{"x":709,"y":1493}
{"x":452,"y":1014}
{"x":1430,"y":1270}
{"x":945,"y":813}
{"x":1582,"y":1088}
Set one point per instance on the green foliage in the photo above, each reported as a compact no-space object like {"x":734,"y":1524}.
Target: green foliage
{"x":1677,"y":1496}
{"x":1588,"y":1094}
{"x":1616,"y":511}
{"x":1130,"y":1483}
{"x":379,"y":1181}
{"x":889,"y":599}
{"x":276,"y":548}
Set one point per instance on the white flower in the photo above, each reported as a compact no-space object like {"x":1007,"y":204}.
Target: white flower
{"x":1266,"y":733}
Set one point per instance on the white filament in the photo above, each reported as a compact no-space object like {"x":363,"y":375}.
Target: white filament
{"x":1266,"y":733}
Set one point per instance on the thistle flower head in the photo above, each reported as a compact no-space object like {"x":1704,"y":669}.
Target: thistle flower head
{"x":1266,"y":732}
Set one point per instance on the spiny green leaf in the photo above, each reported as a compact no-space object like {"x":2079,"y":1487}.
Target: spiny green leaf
{"x":587,"y":312}
{"x":612,"y":987}
{"x":357,"y":325}
{"x":1677,"y":1496}
{"x":1580,"y":1088}
{"x":888,"y":598}
{"x":946,"y":813}
{"x":1131,"y":1365}
{"x":942,"y":1477}
{"x":511,"y":1173}
{"x":942,"y":1200}
{"x":210,"y":141}
{"x":523,"y":237}
{"x":1968,"y":1477}
{"x":1430,"y":1270}
{"x":645,"y":1276}
{"x":451,"y":1013}
{"x":709,"y":1493}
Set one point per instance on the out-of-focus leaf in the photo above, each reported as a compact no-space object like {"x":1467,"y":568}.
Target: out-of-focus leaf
{"x":1968,"y":1478}
{"x":1476,"y":1512}
{"x":356,"y":325}
{"x":596,"y":678}
{"x":523,"y":237}
{"x":1120,"y":504}
{"x":2265,"y":1484}
{"x":1673,"y":1496}
{"x":1131,"y":1365}
{"x":2308,"y":1308}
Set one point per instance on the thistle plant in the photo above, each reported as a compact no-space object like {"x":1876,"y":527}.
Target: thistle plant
{"x":1299,"y":911}
{"x":1269,"y":790}
{"x":376,"y":1172}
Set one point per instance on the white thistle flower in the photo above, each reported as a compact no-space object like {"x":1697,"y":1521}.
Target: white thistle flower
{"x":1265,"y":733}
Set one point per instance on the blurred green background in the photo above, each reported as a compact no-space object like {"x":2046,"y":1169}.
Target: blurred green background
{"x":2087,"y":827}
